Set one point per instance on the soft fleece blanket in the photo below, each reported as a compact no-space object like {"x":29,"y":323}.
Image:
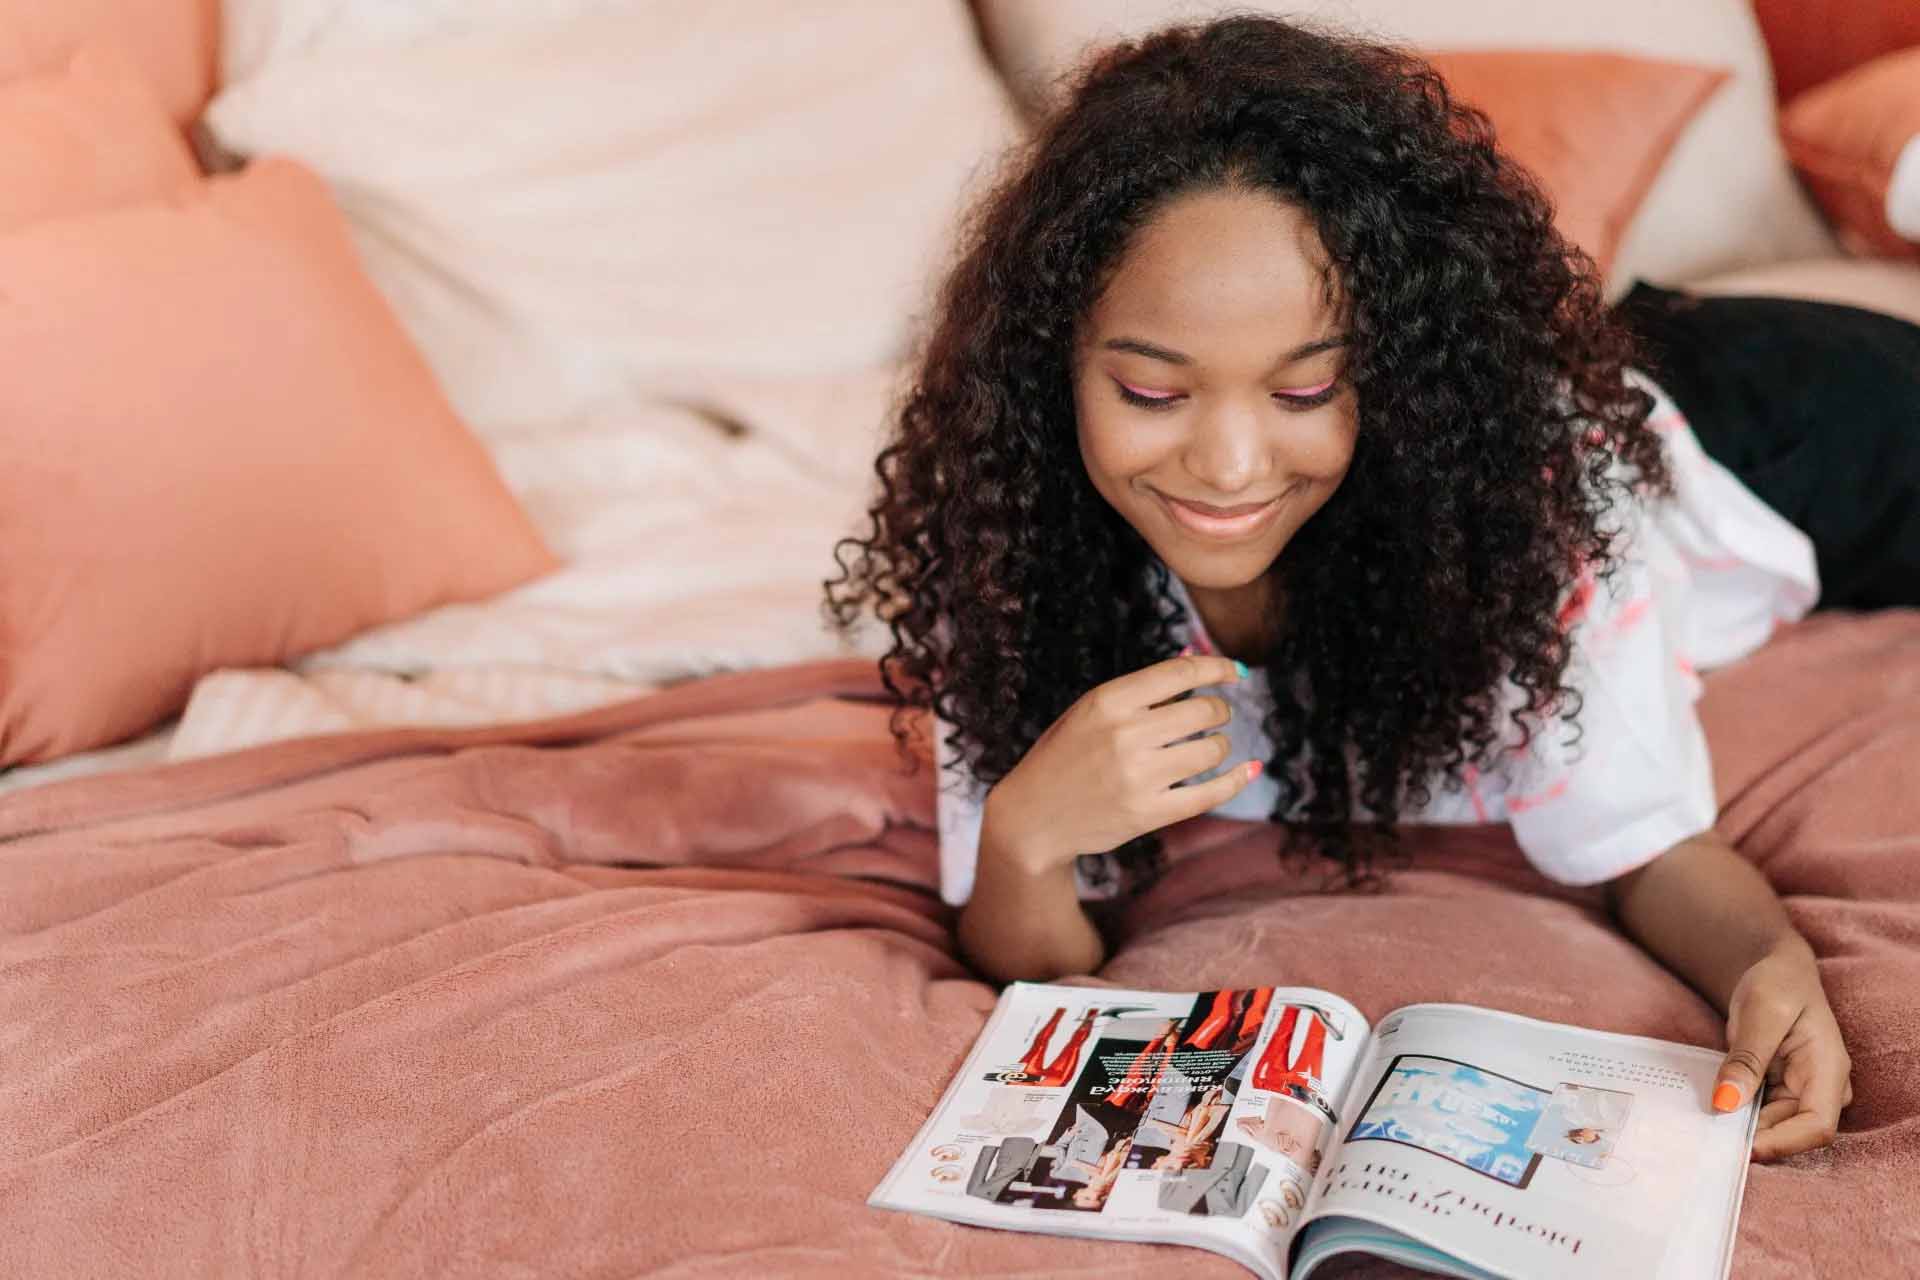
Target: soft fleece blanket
{"x":662,"y":989}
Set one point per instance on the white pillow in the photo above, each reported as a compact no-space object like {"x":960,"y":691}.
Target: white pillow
{"x":1903,"y":192}
{"x":256,"y":34}
{"x":1726,"y":197}
{"x":572,"y":201}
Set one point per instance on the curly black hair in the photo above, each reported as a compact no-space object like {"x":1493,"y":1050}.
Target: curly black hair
{"x":1496,"y":431}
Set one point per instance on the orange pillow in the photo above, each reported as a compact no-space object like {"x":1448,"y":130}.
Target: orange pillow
{"x":1856,"y":143}
{"x":1593,"y":128}
{"x":83,"y":136}
{"x":221,"y":451}
{"x":172,"y":41}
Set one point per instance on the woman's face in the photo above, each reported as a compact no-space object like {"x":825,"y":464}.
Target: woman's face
{"x":1212,"y":415}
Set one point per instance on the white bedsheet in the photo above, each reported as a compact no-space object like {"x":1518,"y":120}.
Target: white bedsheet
{"x":149,"y":748}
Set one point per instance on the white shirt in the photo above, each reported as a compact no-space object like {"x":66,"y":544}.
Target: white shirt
{"x":1705,"y":575}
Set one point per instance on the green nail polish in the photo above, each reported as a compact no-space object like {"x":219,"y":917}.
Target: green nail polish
{"x":1241,"y":667}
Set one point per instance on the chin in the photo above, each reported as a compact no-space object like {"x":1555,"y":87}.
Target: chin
{"x":1219,"y":570}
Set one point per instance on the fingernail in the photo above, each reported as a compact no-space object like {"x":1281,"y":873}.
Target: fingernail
{"x":1254,"y":768}
{"x":1187,"y":652}
{"x":1241,"y":667}
{"x":1727,"y":1096}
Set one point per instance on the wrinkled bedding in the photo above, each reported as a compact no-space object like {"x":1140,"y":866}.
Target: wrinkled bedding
{"x":662,"y":988}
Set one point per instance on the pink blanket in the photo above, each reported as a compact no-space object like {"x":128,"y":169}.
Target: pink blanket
{"x":662,"y":989}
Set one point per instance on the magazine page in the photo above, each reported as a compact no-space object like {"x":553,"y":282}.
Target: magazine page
{"x":1195,"y":1118}
{"x":1523,"y":1148}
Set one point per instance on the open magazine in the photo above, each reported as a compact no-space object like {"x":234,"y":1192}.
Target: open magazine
{"x":1274,"y":1125}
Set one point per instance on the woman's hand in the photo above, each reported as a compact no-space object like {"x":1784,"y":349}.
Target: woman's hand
{"x":1780,"y":1028}
{"x":1712,"y":918}
{"x":1105,"y":771}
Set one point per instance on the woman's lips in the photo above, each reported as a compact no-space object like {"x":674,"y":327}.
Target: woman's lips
{"x":1226,"y":524}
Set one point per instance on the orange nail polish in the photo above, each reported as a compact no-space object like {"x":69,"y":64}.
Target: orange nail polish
{"x":1253,"y":769}
{"x":1727,"y":1096}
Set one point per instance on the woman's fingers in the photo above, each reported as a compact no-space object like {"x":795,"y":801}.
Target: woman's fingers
{"x":1126,"y":696}
{"x":1126,"y":745}
{"x":1808,"y":1114}
{"x":1804,"y":1130}
{"x":1163,"y":726}
{"x":1196,"y":798}
{"x":1755,"y":1028}
{"x":1776,"y":1110}
{"x":1170,"y":765}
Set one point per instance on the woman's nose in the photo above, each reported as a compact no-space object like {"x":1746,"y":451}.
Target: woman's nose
{"x":1229,"y":451}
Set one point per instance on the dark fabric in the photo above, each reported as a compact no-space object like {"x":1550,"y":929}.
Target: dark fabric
{"x":1816,"y":408}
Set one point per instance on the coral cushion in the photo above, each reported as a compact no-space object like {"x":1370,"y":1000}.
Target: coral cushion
{"x":172,"y":41}
{"x":1856,"y":142}
{"x":1594,"y":128}
{"x":221,"y":451}
{"x":84,"y":135}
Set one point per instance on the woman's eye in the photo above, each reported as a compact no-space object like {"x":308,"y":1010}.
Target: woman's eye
{"x":1144,"y":400}
{"x":1296,"y":401}
{"x":1309,"y":399}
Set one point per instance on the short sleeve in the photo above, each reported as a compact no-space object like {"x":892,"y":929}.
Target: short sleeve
{"x":1629,"y":777}
{"x":958,"y":806}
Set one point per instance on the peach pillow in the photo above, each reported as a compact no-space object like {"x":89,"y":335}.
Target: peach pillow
{"x":1594,"y":128}
{"x":221,"y":452}
{"x":83,"y":136}
{"x":172,"y":41}
{"x":1856,"y":142}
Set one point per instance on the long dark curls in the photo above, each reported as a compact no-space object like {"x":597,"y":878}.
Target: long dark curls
{"x":1496,"y":432}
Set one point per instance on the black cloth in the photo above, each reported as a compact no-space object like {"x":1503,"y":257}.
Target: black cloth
{"x":1816,"y":408}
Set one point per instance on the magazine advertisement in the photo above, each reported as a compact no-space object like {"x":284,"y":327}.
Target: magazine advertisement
{"x":1200,"y":1118}
{"x":1274,"y":1125}
{"x":1525,"y":1148}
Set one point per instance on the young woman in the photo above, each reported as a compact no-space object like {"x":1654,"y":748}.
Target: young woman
{"x":1263,"y":374}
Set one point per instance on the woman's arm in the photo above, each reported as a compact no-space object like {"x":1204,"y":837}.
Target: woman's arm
{"x":1024,"y":923}
{"x":1707,"y":914}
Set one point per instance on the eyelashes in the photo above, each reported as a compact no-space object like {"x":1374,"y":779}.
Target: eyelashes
{"x":1295,"y":402}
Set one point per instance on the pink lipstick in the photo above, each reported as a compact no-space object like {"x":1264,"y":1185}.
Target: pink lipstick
{"x":1217,"y":523}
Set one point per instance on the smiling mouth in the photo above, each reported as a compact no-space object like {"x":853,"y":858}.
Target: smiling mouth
{"x":1243,"y":520}
{"x":1225,"y":513}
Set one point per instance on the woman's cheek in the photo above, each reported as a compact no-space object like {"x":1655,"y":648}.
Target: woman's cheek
{"x":1111,"y":449}
{"x":1327,"y":449}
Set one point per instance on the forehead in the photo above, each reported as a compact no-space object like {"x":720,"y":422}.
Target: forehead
{"x":1224,"y":270}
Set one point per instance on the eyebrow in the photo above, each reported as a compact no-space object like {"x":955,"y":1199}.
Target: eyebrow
{"x":1148,"y":349}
